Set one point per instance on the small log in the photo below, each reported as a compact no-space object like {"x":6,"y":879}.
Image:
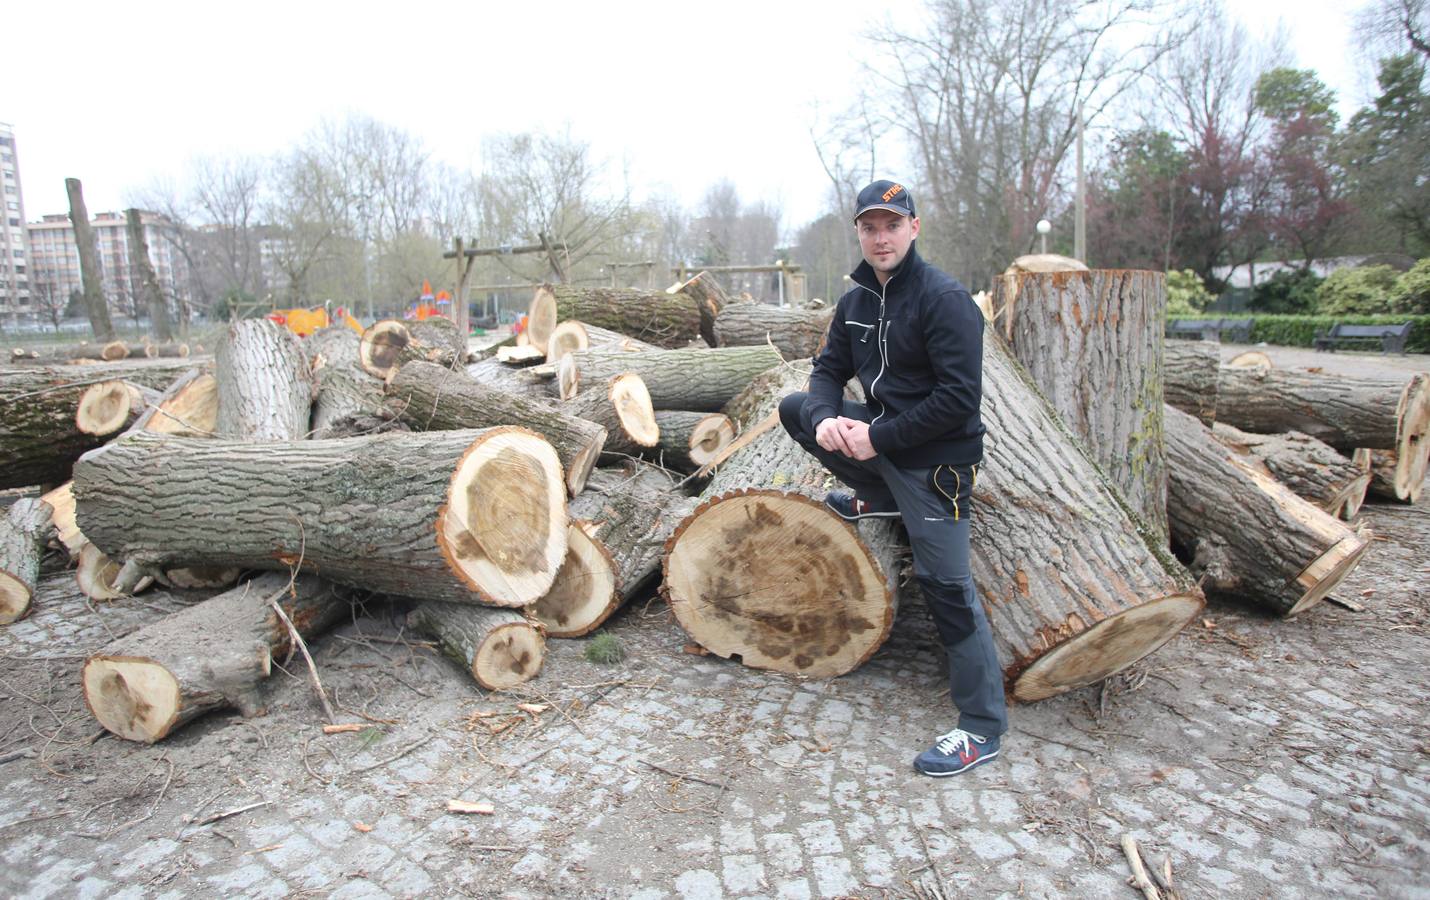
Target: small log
{"x":565,"y":337}
{"x":619,"y":525}
{"x":498,"y":647}
{"x":689,"y":440}
{"x":797,"y":332}
{"x":387,"y":344}
{"x":166,"y":351}
{"x":1190,"y":377}
{"x":473,"y":516}
{"x":24,"y":531}
{"x":1312,"y":470}
{"x":667,"y":320}
{"x":348,"y":401}
{"x":520,"y":356}
{"x":439,"y":335}
{"x":429,"y":397}
{"x":604,"y":339}
{"x":710,"y":299}
{"x":265,"y":392}
{"x":1245,"y":532}
{"x":1388,"y":480}
{"x":111,"y":407}
{"x":212,"y":655}
{"x":624,"y":409}
{"x":701,"y":379}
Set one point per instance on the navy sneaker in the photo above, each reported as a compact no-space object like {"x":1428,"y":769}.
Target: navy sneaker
{"x":852,"y":509}
{"x":955,"y":753}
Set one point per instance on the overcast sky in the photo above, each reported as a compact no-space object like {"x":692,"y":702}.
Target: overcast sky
{"x":679,"y":95}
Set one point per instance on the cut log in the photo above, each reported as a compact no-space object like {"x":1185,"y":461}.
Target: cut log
{"x":498,"y":647}
{"x":1249,"y":359}
{"x":466,"y":516}
{"x":624,"y":409}
{"x":265,"y":392}
{"x":1189,"y":377}
{"x":589,"y":337}
{"x":1312,"y":470}
{"x":527,"y":382}
{"x":1388,"y":480}
{"x":689,"y":440}
{"x":61,"y":501}
{"x":39,"y":440}
{"x":112,"y":406}
{"x":441,"y":339}
{"x":619,"y":525}
{"x":797,"y":332}
{"x":542,"y":317}
{"x":166,"y":351}
{"x":567,"y":336}
{"x":429,"y":397}
{"x":701,"y":379}
{"x":387,"y":344}
{"x":763,"y":572}
{"x":667,"y":320}
{"x":212,"y":655}
{"x":1093,"y":343}
{"x":24,"y":531}
{"x":109,"y":351}
{"x":187,"y":408}
{"x":1245,"y":532}
{"x":520,"y":356}
{"x":101,"y":578}
{"x":710,"y":299}
{"x":348,"y":401}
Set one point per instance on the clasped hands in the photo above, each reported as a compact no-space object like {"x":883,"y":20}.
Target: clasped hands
{"x":840,"y":434}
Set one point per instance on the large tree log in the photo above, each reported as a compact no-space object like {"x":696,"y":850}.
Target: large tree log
{"x":429,"y":397}
{"x":109,"y":351}
{"x":1093,"y":343}
{"x":623,"y":408}
{"x":797,"y":332}
{"x":1311,"y":469}
{"x":212,"y":655}
{"x":39,"y":439}
{"x":465,"y":516}
{"x":111,"y":407}
{"x":702,"y":379}
{"x":1246,"y":532}
{"x":618,"y":530}
{"x":1189,"y":377}
{"x":689,"y":440}
{"x":762,"y":571}
{"x":348,"y":400}
{"x":265,"y":392}
{"x":667,"y":320}
{"x":25,"y":528}
{"x":710,"y":299}
{"x":387,"y":344}
{"x":498,"y":647}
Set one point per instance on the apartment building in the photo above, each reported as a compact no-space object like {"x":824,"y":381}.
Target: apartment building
{"x":54,"y":256}
{"x":14,"y":254}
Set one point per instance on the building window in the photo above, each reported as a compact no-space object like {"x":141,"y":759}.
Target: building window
{"x":13,"y":206}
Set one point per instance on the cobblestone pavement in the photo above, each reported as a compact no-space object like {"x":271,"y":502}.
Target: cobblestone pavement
{"x":1262,"y":757}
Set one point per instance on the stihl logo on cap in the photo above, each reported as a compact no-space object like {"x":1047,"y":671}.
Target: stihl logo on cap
{"x":893,"y":192}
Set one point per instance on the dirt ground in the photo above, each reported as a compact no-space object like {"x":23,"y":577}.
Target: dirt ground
{"x":1261,"y":757}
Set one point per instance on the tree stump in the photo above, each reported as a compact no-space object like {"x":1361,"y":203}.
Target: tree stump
{"x":702,"y":379}
{"x":429,"y":397}
{"x":264,"y":389}
{"x":1312,"y":470}
{"x":1093,"y":343}
{"x":689,"y":440}
{"x":1189,"y":377}
{"x":24,"y":530}
{"x":347,"y":400}
{"x":1245,"y":532}
{"x":212,"y":655}
{"x":797,"y":333}
{"x":464,"y":516}
{"x":667,"y":320}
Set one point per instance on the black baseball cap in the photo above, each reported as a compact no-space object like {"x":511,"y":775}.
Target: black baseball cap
{"x":888,"y":195}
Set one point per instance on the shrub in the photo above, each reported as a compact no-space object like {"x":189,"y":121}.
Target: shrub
{"x":1412,"y":290}
{"x":1363,"y":290}
{"x":1288,"y":291}
{"x":1301,"y":331}
{"x":1186,"y":294}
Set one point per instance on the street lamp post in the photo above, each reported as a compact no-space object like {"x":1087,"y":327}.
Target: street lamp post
{"x":1044,"y":226}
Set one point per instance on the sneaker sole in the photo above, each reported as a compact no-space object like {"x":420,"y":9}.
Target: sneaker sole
{"x":973,"y":765}
{"x":872,"y":515}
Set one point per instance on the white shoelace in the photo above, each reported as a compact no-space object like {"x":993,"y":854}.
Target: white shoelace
{"x":957,"y":739}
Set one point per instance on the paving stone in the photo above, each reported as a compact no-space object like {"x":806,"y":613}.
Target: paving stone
{"x":698,"y":884}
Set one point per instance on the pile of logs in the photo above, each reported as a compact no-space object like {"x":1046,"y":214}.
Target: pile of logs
{"x":628,"y":438}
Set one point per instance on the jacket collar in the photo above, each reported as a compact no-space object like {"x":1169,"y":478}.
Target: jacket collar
{"x":865,"y":276}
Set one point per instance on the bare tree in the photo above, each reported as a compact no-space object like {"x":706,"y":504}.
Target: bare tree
{"x":1387,"y":27}
{"x":226,"y":198}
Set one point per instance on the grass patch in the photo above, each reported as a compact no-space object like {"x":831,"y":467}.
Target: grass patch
{"x":604,"y":649}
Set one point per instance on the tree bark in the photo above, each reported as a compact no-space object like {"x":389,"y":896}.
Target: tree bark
{"x":1189,"y":377}
{"x":624,"y":409}
{"x":348,"y":401}
{"x":214,"y":654}
{"x":1312,"y":470}
{"x":91,"y":276}
{"x":1093,"y":343}
{"x":701,"y":379}
{"x":464,"y":516}
{"x":798,"y":333}
{"x":667,"y":320}
{"x":619,"y":526}
{"x":689,"y":440}
{"x":111,"y":407}
{"x":710,"y":299}
{"x":527,"y":382}
{"x":147,"y":279}
{"x":498,"y":647}
{"x":1246,"y":533}
{"x":429,"y":397}
{"x":25,"y":528}
{"x":265,"y":392}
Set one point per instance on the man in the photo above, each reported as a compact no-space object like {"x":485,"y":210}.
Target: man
{"x":914,"y":338}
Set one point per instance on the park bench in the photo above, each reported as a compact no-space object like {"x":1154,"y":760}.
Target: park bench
{"x":1390,"y":338}
{"x":1238,"y":331}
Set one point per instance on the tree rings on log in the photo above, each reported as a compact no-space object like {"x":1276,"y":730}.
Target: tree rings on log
{"x":111,"y":406}
{"x":541,"y":317}
{"x":584,"y":594}
{"x":381,"y":346}
{"x":623,"y":409}
{"x":689,"y":440}
{"x":500,"y":648}
{"x":567,"y":336}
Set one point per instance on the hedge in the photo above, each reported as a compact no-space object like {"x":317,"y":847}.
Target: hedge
{"x":1300,"y":331}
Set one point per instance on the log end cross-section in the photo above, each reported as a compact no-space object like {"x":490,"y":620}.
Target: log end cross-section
{"x":500,"y":648}
{"x":1412,"y":440}
{"x":380,"y":352}
{"x":584,"y":594}
{"x":502,"y":529}
{"x":109,"y":407}
{"x":775,"y":579}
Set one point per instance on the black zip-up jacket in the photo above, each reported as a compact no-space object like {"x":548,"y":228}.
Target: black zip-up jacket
{"x":916,"y":344}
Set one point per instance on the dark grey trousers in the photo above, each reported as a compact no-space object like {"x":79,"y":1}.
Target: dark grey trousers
{"x":936,"y":506}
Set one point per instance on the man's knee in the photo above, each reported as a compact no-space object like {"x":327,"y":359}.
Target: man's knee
{"x":792,"y":413}
{"x":950,"y":601}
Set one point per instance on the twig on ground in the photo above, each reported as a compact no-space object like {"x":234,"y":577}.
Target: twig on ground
{"x":681,"y":775}
{"x":393,"y":758}
{"x":232,"y":812}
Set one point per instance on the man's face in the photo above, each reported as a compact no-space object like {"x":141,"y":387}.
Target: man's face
{"x":885,"y":238}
